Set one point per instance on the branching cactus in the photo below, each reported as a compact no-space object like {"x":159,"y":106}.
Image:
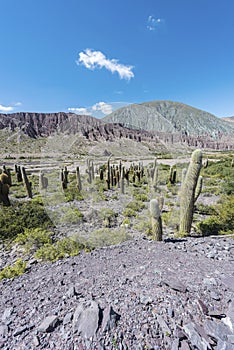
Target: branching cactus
{"x":155,"y":178}
{"x":198,"y":188}
{"x":187,"y":193}
{"x":183,"y":174}
{"x":156,"y":220}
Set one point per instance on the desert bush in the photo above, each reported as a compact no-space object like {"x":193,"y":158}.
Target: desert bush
{"x":108,"y":216}
{"x":133,"y":208}
{"x":144,"y":226}
{"x":222,"y":222}
{"x":34,"y":238}
{"x":227,"y":187}
{"x":28,"y":215}
{"x":11,"y":271}
{"x":106,"y":237}
{"x":70,"y":216}
{"x":219,"y":169}
{"x":71,"y":195}
{"x":205,"y":209}
{"x":61,"y":249}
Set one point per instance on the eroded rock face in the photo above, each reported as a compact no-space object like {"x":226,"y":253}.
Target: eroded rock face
{"x":137,"y":295}
{"x":45,"y":124}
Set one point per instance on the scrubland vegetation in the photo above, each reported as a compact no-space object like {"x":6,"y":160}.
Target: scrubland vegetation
{"x":107,"y":204}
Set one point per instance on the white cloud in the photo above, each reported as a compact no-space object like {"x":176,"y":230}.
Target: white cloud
{"x":103,"y":107}
{"x":79,"y":110}
{"x":96,"y":59}
{"x":99,"y":109}
{"x":18,"y":104}
{"x":6,"y":108}
{"x":153,"y":23}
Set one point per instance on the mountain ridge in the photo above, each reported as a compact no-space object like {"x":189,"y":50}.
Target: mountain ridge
{"x":168,"y":116}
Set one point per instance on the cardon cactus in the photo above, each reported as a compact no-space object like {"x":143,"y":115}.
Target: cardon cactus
{"x":4,"y":192}
{"x":198,"y":188}
{"x":187,"y":193}
{"x":156,"y":220}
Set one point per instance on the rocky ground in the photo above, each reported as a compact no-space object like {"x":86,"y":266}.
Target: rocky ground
{"x":175,"y":294}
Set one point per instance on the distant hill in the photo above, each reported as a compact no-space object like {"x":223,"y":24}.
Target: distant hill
{"x":229,"y":119}
{"x":160,"y":125}
{"x":170,"y":117}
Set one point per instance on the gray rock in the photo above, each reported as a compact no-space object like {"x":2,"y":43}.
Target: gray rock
{"x":184,"y":345}
{"x":20,"y":330}
{"x":110,"y":319}
{"x":175,"y":344}
{"x":229,"y":282}
{"x":145,"y":299}
{"x":68,"y":317}
{"x":230,"y":338}
{"x":6,"y":314}
{"x":217,"y":329}
{"x":71,"y":292}
{"x":86,"y":319}
{"x":48,"y":324}
{"x":36,"y":340}
{"x":202,"y":307}
{"x":222,"y":345}
{"x":166,"y":330}
{"x":3,"y":331}
{"x":175,"y":284}
{"x":195,"y":338}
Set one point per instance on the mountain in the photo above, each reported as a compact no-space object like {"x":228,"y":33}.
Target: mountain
{"x":170,"y":117}
{"x":46,"y":124}
{"x":156,"y":125}
{"x":229,"y":119}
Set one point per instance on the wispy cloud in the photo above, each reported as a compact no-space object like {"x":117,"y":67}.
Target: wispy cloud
{"x":96,"y":59}
{"x":153,"y":23}
{"x":79,"y":110}
{"x":99,"y":109}
{"x":6,"y":108}
{"x":105,"y":108}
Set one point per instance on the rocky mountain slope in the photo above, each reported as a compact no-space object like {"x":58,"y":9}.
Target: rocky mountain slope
{"x":139,"y":295}
{"x":229,"y":119}
{"x":45,"y":124}
{"x":158,"y":125}
{"x":170,"y":117}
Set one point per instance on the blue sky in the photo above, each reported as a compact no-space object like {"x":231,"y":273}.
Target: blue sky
{"x":93,"y":56}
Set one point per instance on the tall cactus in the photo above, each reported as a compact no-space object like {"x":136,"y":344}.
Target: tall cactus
{"x":187,"y":193}
{"x":198,"y":188}
{"x":78,"y":179}
{"x":27,"y":184}
{"x":156,"y":220}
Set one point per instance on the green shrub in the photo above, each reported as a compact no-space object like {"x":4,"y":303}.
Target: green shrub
{"x":15,"y":219}
{"x":129,"y":212}
{"x":11,"y":271}
{"x":106,"y":237}
{"x":227,"y":186}
{"x":135,"y":205}
{"x":64,"y":248}
{"x":143,"y":226}
{"x":33,"y":239}
{"x":223,"y":221}
{"x":205,"y":209}
{"x":141,"y":197}
{"x":71,"y":216}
